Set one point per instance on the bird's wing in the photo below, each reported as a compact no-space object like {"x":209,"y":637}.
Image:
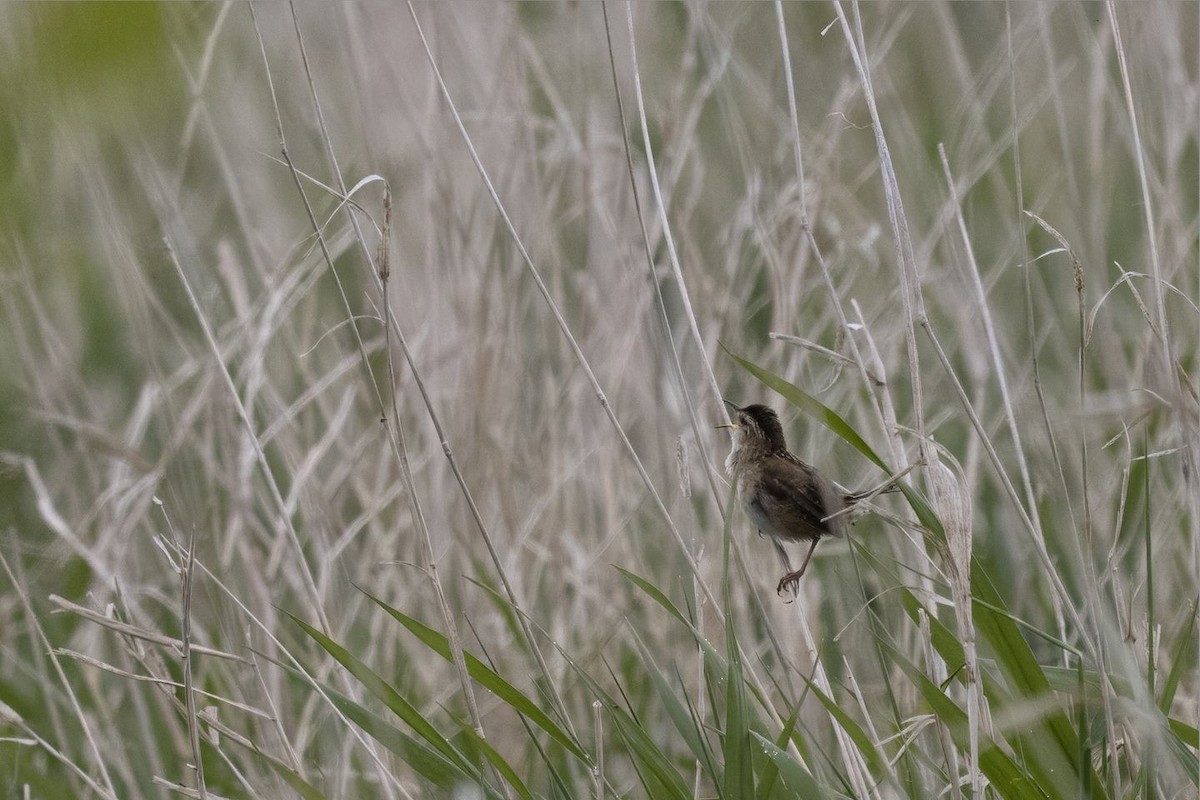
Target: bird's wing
{"x":798,"y":499}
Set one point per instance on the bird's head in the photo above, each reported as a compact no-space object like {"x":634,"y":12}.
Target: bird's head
{"x":755,"y":426}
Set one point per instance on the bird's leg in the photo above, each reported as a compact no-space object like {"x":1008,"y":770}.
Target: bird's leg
{"x":793,"y":578}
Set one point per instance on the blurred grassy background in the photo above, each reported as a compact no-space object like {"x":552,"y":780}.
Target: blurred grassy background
{"x":139,"y":149}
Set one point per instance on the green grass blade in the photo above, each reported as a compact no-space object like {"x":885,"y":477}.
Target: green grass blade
{"x":796,"y":779}
{"x":811,"y":406}
{"x":289,"y":775}
{"x":712,"y":658}
{"x":739,"y":764}
{"x":427,"y":762}
{"x":995,"y":625}
{"x":716,"y":771}
{"x":685,"y":723}
{"x":1184,"y":741}
{"x":293,"y":779}
{"x":654,"y":593}
{"x":488,"y":678}
{"x":944,"y":641}
{"x":770,"y":773}
{"x":1182,"y":657}
{"x":670,"y":784}
{"x":855,"y":731}
{"x":1186,"y":733}
{"x":836,"y":423}
{"x":1009,"y":779}
{"x":1046,"y":740}
{"x":384,"y":692}
{"x":646,"y":755}
{"x":498,"y":761}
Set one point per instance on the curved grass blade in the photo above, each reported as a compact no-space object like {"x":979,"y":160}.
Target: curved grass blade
{"x":770,"y":773}
{"x":811,"y":406}
{"x":994,"y":623}
{"x":860,"y":738}
{"x":427,"y":762}
{"x":1179,"y":663}
{"x":1184,"y":741}
{"x":654,"y":593}
{"x":710,"y":652}
{"x":836,"y":423}
{"x":488,"y":678}
{"x":671,"y":785}
{"x":384,"y":692}
{"x":293,"y":779}
{"x":498,"y":761}
{"x":1054,"y":741}
{"x":685,"y":723}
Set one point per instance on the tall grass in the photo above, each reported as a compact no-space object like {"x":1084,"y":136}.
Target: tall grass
{"x":363,"y":365}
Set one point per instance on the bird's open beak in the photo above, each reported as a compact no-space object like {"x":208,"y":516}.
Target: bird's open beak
{"x":735,"y":409}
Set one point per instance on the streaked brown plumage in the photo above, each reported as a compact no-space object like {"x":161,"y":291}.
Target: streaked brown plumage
{"x":784,"y":497}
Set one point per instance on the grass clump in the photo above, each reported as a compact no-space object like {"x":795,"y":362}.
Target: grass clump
{"x":382,"y":463}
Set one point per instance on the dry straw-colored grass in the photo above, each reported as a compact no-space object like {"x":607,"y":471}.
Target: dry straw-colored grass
{"x":969,"y":229}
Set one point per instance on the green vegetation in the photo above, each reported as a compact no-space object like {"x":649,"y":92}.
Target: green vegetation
{"x":383,"y":463}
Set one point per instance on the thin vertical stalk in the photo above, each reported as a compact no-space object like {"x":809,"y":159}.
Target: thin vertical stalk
{"x":998,"y":369}
{"x":108,"y":789}
{"x":661,"y":207}
{"x":891,"y":429}
{"x":185,"y":654}
{"x":1035,"y":362}
{"x":381,"y":272}
{"x":598,"y":737}
{"x":664,"y":321}
{"x":396,"y":439}
{"x":560,"y":320}
{"x":285,"y":518}
{"x":910,"y":293}
{"x":1139,"y":153}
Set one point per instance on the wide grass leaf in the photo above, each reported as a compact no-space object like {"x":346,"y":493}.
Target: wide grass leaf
{"x":792,"y":774}
{"x":1006,"y":777}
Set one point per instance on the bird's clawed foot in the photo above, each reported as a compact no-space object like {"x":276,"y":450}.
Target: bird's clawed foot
{"x":792,"y":579}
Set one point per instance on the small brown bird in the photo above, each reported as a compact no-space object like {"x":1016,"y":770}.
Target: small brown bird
{"x":785,"y":498}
